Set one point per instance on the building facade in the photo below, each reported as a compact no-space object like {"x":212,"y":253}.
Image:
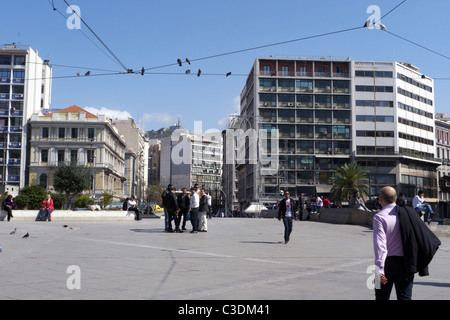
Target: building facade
{"x":443,"y":153}
{"x":25,"y":88}
{"x":332,"y":111}
{"x":188,"y":159}
{"x":75,"y":135}
{"x":136,"y":143}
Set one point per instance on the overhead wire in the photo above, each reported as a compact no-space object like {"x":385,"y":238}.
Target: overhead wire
{"x":98,"y":38}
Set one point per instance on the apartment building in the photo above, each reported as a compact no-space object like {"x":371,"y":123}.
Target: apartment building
{"x":187,"y":159}
{"x":332,"y":111}
{"x":136,"y":143}
{"x":443,"y":153}
{"x":75,"y":135}
{"x":25,"y":88}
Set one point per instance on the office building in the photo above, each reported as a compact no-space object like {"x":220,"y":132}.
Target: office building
{"x":332,"y":111}
{"x":443,"y":153}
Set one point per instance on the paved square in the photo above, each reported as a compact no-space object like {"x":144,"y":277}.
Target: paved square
{"x":236,"y":259}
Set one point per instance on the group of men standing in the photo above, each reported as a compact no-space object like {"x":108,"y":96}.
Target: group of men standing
{"x":195,"y":207}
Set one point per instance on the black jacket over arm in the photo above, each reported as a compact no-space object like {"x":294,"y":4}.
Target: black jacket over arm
{"x":419,"y":242}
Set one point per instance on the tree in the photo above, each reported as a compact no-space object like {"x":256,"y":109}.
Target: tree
{"x":154,"y":193}
{"x":107,"y":199}
{"x":71,"y":179}
{"x":30,"y":197}
{"x":348,"y":179}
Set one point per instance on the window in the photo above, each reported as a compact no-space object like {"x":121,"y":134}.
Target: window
{"x":4,"y":89}
{"x":90,"y":156}
{"x":43,"y":181}
{"x":91,"y":133}
{"x":266,"y":70}
{"x":284,"y":70}
{"x":45,"y":133}
{"x":61,"y":133}
{"x":19,"y":60}
{"x":5,"y":73}
{"x":74,"y":133}
{"x":19,"y":74}
{"x":61,"y":155}
{"x":18,"y":89}
{"x":5,"y":59}
{"x":44,"y":155}
{"x":73,"y":155}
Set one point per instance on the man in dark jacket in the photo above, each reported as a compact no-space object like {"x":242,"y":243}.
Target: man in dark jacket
{"x":183,"y":204}
{"x":173,"y":209}
{"x":166,"y":213}
{"x":286,"y":211}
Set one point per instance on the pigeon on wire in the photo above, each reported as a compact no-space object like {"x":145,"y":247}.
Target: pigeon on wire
{"x":367,"y":24}
{"x":188,"y":71}
{"x":142,"y":71}
{"x":199,"y":73}
{"x":79,"y":74}
{"x":26,"y":236}
{"x":188,"y":61}
{"x":87,"y":73}
{"x":228,"y":74}
{"x":180,"y":63}
{"x":13,"y":232}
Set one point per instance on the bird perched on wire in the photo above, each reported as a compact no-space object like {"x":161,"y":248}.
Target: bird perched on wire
{"x":188,"y":61}
{"x":180,"y":63}
{"x":199,"y":72}
{"x":188,"y":71}
{"x":14,"y":231}
{"x":79,"y":74}
{"x":142,"y":71}
{"x":26,"y":236}
{"x":228,"y":74}
{"x":87,"y":73}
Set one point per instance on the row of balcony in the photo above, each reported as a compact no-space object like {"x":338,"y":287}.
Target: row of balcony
{"x":15,"y":112}
{"x":14,"y":96}
{"x":305,"y":89}
{"x":316,"y":105}
{"x":11,"y":145}
{"x":305,"y":74}
{"x":14,"y":80}
{"x":11,"y":129}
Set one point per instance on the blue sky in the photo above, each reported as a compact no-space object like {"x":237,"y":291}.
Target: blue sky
{"x":156,"y":33}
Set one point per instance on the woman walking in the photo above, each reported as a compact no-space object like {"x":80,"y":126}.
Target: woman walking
{"x":8,"y":204}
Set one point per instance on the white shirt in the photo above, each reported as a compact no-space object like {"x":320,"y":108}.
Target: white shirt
{"x":195,"y":201}
{"x":288,"y":208}
{"x":319,"y":202}
{"x":131,"y":203}
{"x":209,"y":199}
{"x":417,"y":201}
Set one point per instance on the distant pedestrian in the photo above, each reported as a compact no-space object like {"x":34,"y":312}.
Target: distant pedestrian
{"x":401,"y":200}
{"x":173,"y":210}
{"x":183,"y":204}
{"x":286,"y":211}
{"x":166,"y":213}
{"x":193,"y":208}
{"x":8,"y":205}
{"x":326,"y":202}
{"x":301,"y":205}
{"x":203,"y":211}
{"x":209,"y":215}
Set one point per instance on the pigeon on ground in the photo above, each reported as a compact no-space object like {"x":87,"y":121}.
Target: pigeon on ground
{"x":25,"y":236}
{"x":14,"y":231}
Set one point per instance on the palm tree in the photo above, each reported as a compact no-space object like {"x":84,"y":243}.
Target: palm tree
{"x":348,"y":179}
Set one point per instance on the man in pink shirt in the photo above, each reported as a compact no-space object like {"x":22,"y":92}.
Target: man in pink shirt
{"x":388,"y":248}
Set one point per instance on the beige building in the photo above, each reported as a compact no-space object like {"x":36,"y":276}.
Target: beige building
{"x":73,"y":134}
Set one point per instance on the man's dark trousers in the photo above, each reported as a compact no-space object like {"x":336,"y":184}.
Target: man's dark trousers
{"x":394,"y":267}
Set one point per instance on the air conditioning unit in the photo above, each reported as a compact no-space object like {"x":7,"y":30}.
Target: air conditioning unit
{"x":309,"y":88}
{"x":290,"y":104}
{"x":328,"y":87}
{"x":337,"y":149}
{"x":19,"y":95}
{"x":13,"y":160}
{"x":330,"y":149}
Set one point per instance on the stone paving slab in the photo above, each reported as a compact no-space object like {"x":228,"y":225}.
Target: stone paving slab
{"x":238,"y":258}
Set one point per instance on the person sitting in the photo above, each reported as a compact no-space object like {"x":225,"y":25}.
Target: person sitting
{"x":132,"y":206}
{"x":46,"y":209}
{"x":420,"y":205}
{"x":357,"y":202}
